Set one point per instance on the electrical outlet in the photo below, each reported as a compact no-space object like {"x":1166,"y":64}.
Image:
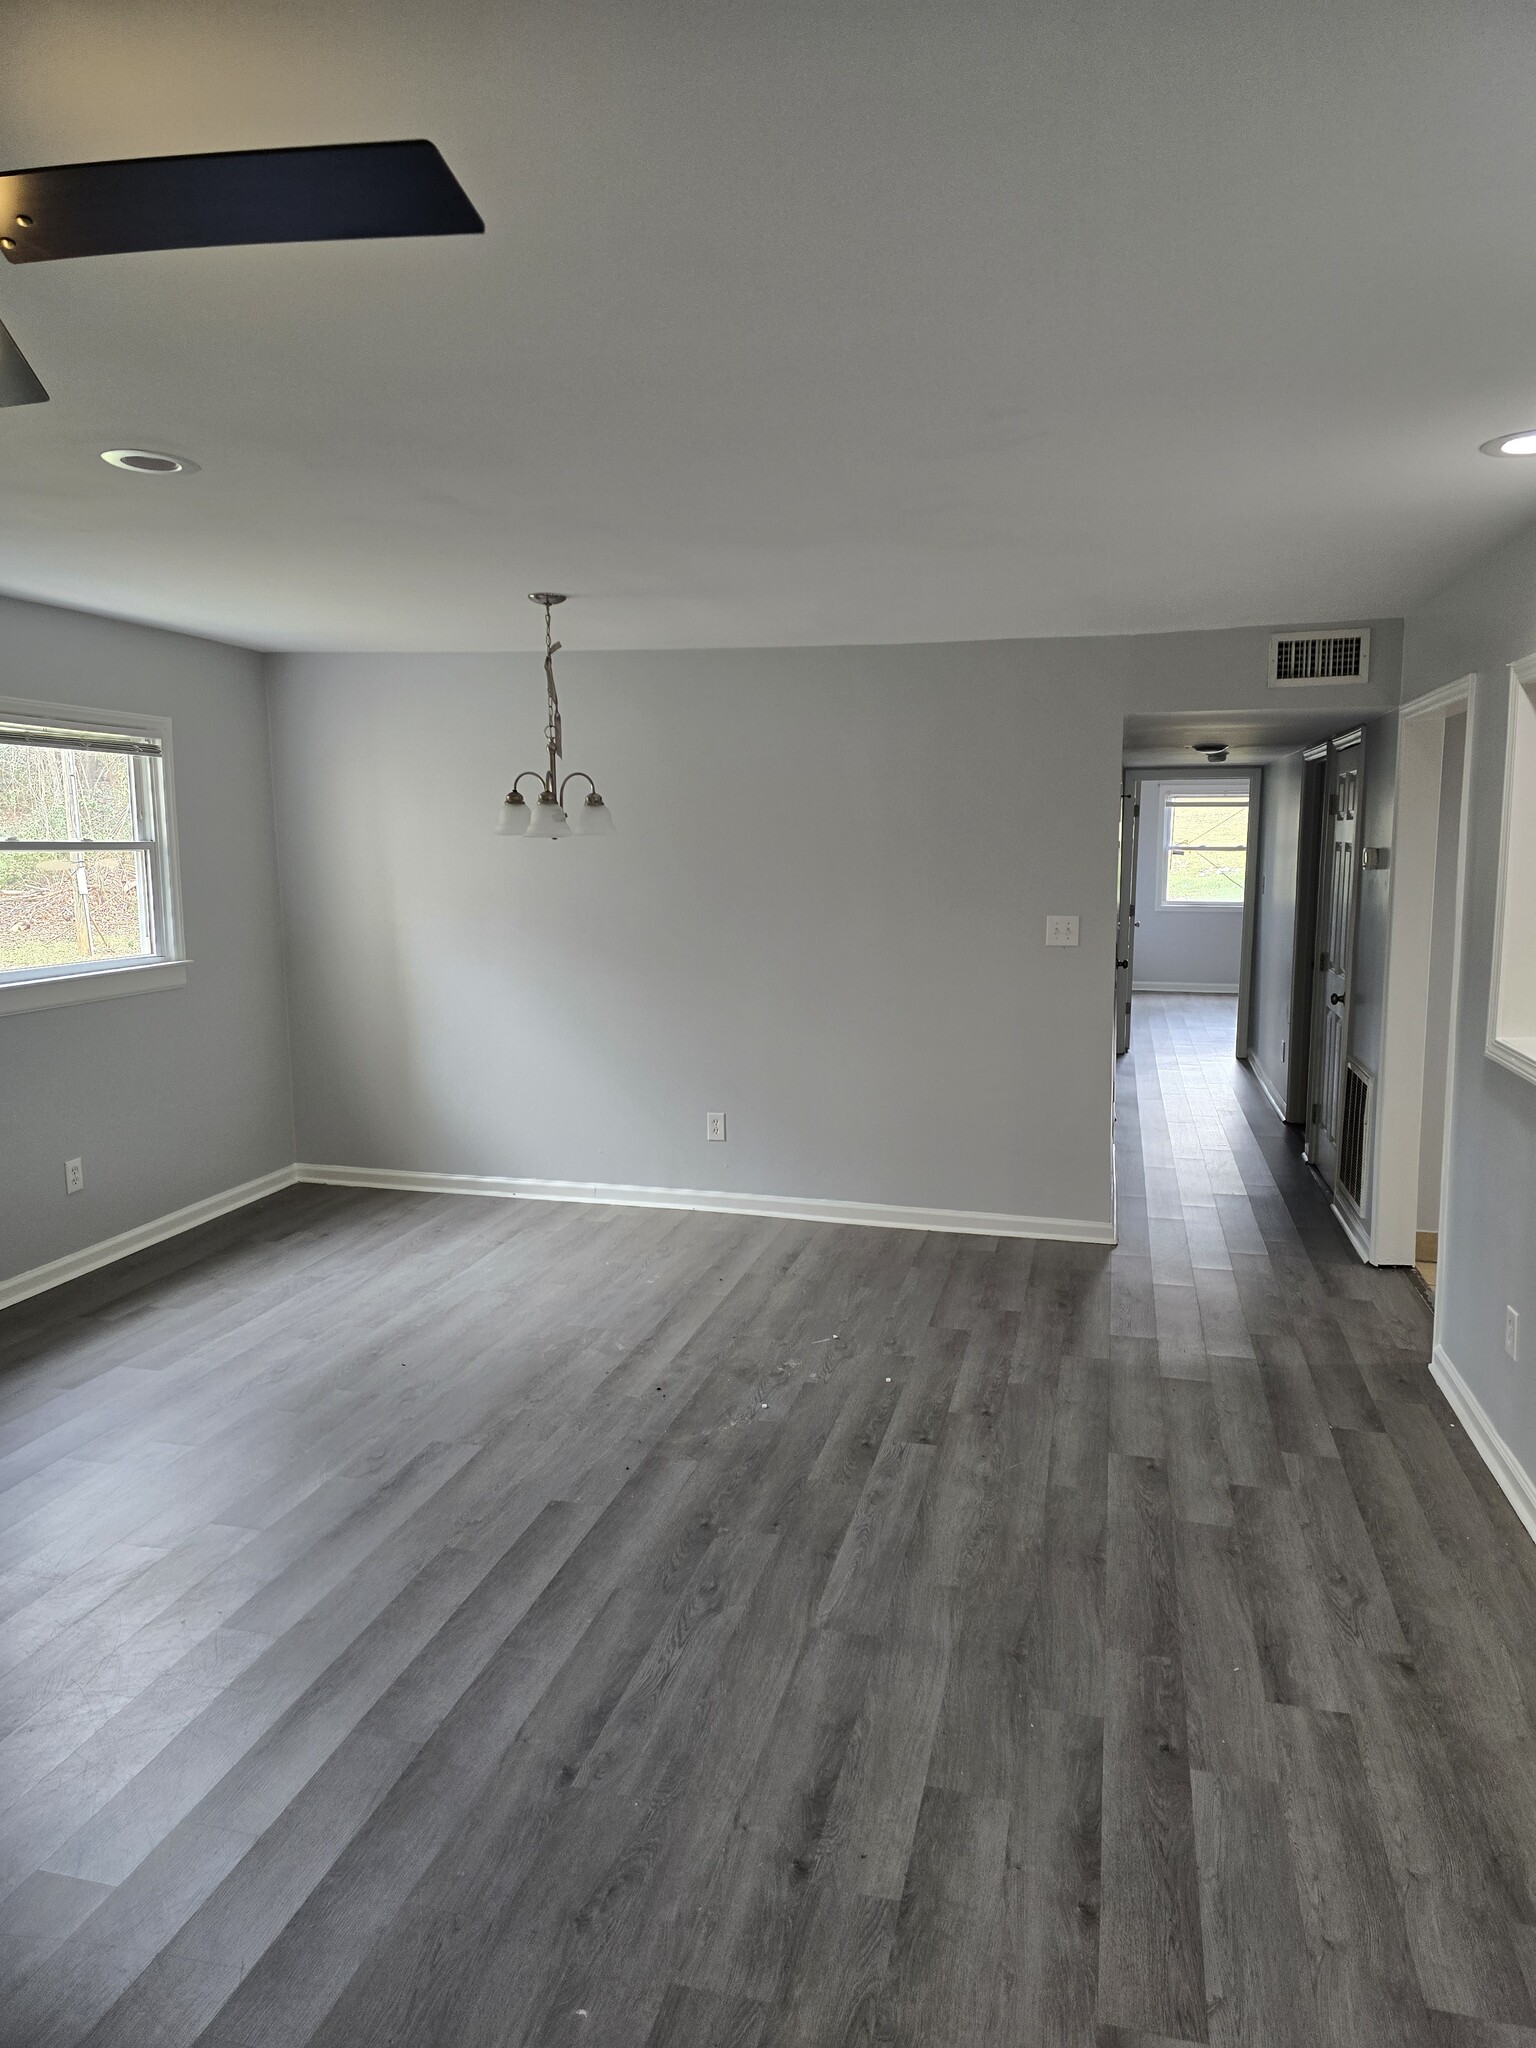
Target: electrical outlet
{"x":1512,"y":1332}
{"x":1061,"y":931}
{"x":74,"y":1176}
{"x":714,"y":1126}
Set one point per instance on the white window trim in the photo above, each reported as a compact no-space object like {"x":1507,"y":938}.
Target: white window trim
{"x":1193,"y":792}
{"x":46,"y":988}
{"x":1517,"y":1053}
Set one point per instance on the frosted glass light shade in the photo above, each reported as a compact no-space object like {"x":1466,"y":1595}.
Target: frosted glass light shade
{"x":593,"y":818}
{"x":549,"y":820}
{"x":514,"y":817}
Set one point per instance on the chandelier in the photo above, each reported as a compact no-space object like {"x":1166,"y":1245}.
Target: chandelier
{"x":546,"y":818}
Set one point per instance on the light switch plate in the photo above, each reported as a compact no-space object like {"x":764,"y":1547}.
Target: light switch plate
{"x":1061,"y":931}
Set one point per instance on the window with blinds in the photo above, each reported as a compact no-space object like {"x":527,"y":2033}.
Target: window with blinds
{"x":86,"y":874}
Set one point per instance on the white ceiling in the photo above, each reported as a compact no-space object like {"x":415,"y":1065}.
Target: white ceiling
{"x":796,"y":321}
{"x":1252,"y":738}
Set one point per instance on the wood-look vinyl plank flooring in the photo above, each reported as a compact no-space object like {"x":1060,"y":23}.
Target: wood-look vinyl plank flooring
{"x":431,"y":1621}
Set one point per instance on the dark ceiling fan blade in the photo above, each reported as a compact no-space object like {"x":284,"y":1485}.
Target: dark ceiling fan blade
{"x":337,"y":192}
{"x":18,"y":381}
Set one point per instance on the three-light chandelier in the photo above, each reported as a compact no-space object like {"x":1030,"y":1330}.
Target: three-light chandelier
{"x":545,"y":817}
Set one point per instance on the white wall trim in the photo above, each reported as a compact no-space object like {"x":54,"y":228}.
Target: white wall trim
{"x":1258,"y":1073}
{"x":1434,"y":702}
{"x":21,"y":1286}
{"x":1398,"y":1133}
{"x":50,"y":991}
{"x":1354,"y":1231}
{"x":1517,"y":1054}
{"x":1185,"y":988}
{"x":1501,"y":1461}
{"x":796,"y":1208}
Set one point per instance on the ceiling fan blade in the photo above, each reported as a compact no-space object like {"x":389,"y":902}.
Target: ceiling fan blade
{"x":18,"y":380}
{"x":336,"y":192}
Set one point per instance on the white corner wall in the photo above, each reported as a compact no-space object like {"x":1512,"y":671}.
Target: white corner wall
{"x":172,"y":1098}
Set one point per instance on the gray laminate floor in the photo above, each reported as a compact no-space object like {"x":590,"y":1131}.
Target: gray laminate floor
{"x":434,"y":1621}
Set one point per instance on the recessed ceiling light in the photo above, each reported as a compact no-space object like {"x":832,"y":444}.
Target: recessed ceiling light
{"x":1523,"y":443}
{"x":148,"y":462}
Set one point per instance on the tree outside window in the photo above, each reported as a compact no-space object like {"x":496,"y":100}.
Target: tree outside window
{"x":1205,"y":849}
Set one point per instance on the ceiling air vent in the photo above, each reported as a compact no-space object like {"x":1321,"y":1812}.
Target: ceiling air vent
{"x":1298,"y":660}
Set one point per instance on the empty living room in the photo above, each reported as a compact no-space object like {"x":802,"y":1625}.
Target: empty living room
{"x":892,"y":1406}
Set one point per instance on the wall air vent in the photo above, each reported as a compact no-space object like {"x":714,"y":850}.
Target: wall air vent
{"x":1354,"y":1134}
{"x":1298,"y":660}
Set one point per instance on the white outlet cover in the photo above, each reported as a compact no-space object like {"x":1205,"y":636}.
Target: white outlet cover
{"x":74,"y":1177}
{"x":714,"y":1126}
{"x":1060,"y":931}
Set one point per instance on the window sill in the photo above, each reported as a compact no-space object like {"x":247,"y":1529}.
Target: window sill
{"x":49,"y":991}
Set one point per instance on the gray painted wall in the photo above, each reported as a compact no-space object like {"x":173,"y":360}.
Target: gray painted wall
{"x":1442,"y":946}
{"x":824,"y":914}
{"x":1274,"y":941}
{"x":1181,"y":949}
{"x":1478,"y":625}
{"x":176,"y":1096}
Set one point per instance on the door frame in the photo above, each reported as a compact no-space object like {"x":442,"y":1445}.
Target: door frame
{"x":1335,"y":749}
{"x":1125,"y":914}
{"x":1410,"y":910}
{"x":1132,"y":782}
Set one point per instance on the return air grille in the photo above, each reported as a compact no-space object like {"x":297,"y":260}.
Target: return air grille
{"x":1299,"y":659}
{"x":1352,"y":1135}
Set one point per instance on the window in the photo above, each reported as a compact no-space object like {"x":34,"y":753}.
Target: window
{"x":1205,"y":849}
{"x":87,"y":870}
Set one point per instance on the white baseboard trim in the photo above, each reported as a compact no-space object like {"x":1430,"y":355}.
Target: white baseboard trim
{"x":1354,"y":1230}
{"x":1514,"y":1481}
{"x":793,"y":1208}
{"x":1263,"y":1080}
{"x":1184,"y":988}
{"x":21,"y":1286}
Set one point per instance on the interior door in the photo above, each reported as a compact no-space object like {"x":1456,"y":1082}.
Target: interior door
{"x":1125,"y":929}
{"x":1335,"y":957}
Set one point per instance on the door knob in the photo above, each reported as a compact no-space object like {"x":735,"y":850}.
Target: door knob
{"x":1122,"y":963}
{"x":1335,"y":999}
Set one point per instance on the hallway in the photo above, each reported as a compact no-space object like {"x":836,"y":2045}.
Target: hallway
{"x":527,"y":1625}
{"x":1333,"y":1582}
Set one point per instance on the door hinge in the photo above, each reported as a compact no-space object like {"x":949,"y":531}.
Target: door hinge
{"x":1317,"y":1111}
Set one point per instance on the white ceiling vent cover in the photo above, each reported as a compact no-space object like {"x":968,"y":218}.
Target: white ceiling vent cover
{"x":1299,"y":660}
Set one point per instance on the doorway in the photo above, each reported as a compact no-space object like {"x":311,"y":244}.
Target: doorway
{"x":1188,"y":846}
{"x":1422,"y":980}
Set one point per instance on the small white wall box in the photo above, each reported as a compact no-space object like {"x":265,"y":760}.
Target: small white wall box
{"x":1512,"y":998}
{"x":1061,"y":931}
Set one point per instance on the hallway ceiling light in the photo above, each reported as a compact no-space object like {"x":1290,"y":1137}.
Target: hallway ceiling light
{"x":1215,"y":751}
{"x":1523,"y":443}
{"x":545,"y":817}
